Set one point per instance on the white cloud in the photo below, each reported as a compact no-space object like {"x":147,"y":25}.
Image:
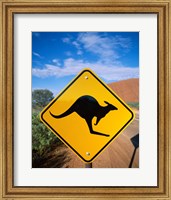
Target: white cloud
{"x":108,"y":64}
{"x":56,"y":62}
{"x":37,"y":55}
{"x":73,"y":67}
{"x":79,"y":52}
{"x":76,"y":44}
{"x":104,"y":46}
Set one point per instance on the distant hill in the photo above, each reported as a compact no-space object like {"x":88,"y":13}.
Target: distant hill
{"x":128,"y":90}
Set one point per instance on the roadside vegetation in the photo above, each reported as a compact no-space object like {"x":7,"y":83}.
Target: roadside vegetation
{"x":43,"y":140}
{"x":134,"y":105}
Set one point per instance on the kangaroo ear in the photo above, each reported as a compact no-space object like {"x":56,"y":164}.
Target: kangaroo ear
{"x":106,"y":102}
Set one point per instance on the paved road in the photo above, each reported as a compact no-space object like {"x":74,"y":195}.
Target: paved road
{"x":117,"y":155}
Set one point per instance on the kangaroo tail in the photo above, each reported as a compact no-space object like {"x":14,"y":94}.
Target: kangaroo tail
{"x":68,"y":112}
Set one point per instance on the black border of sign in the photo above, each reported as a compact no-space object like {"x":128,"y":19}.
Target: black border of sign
{"x":86,"y":70}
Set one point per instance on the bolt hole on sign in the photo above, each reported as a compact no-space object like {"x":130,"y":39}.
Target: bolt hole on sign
{"x":95,"y":118}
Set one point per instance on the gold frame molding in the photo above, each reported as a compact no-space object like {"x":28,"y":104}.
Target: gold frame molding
{"x":11,"y":7}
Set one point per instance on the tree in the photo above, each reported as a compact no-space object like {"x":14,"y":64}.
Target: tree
{"x":40,"y":98}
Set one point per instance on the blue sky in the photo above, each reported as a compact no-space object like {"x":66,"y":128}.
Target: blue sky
{"x":57,"y":57}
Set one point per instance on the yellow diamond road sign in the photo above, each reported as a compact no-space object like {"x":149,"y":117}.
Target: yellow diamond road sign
{"x":87,"y":115}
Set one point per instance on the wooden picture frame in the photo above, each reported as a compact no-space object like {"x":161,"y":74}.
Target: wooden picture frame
{"x":8,"y":9}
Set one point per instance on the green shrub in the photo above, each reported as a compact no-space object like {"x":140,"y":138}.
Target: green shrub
{"x":42,"y":137}
{"x":133,"y":104}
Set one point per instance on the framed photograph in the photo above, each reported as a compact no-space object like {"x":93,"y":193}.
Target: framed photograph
{"x":111,"y":57}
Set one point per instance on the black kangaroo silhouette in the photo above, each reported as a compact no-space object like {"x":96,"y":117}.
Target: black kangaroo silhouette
{"x":88,"y":107}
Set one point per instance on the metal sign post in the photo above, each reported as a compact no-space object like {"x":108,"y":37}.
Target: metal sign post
{"x":88,"y":165}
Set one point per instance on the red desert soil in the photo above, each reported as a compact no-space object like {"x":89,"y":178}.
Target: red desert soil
{"x":128,"y":90}
{"x":117,"y":155}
